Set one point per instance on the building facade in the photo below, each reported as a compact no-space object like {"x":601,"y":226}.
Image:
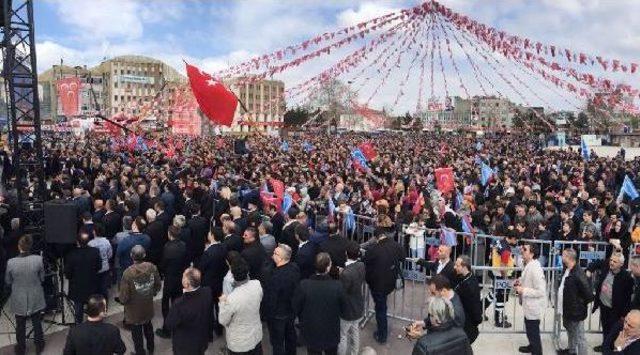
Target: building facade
{"x":264,"y":101}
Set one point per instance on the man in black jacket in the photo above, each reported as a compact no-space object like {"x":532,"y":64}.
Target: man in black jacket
{"x":382,"y":263}
{"x":231,"y":240}
{"x":613,"y":287}
{"x":574,"y":294}
{"x":172,"y":265}
{"x":112,"y":220}
{"x":288,"y":235}
{"x":94,"y":336}
{"x":81,"y":268}
{"x":190,"y":316}
{"x":624,"y":338}
{"x":444,"y":265}
{"x":158,"y":235}
{"x":319,"y":302}
{"x":277,"y":301}
{"x":336,"y":247}
{"x":213,"y":266}
{"x":352,"y":279}
{"x":199,"y":229}
{"x":306,"y":256}
{"x":277,"y":220}
{"x":469,"y":291}
{"x":253,"y":253}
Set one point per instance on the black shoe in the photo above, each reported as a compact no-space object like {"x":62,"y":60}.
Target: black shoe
{"x":565,"y":352}
{"x":503,"y":324}
{"x":525,"y":349}
{"x":162,"y":333}
{"x":598,"y":349}
{"x":378,"y":339}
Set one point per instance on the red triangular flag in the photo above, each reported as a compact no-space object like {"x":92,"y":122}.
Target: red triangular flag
{"x":216,"y":101}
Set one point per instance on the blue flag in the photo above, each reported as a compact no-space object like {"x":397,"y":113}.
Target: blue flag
{"x":350,"y":221}
{"x":628,"y":188}
{"x":284,"y":146}
{"x":287,"y":201}
{"x":586,"y":153}
{"x":486,"y":173}
{"x":332,"y":208}
{"x":458,"y":201}
{"x":478,"y":145}
{"x":360,"y":159}
{"x":308,"y":147}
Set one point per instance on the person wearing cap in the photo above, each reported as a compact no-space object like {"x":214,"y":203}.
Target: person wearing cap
{"x":140,"y":283}
{"x":382,"y":265}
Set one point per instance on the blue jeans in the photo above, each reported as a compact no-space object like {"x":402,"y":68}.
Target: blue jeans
{"x":380,"y":301}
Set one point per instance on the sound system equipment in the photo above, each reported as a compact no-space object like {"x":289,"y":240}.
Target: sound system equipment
{"x":60,"y":222}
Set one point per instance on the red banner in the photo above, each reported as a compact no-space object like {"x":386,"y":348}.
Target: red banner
{"x":184,"y":117}
{"x":68,"y":90}
{"x":444,"y":179}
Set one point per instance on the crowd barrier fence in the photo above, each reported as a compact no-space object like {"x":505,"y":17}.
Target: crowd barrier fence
{"x":410,"y":302}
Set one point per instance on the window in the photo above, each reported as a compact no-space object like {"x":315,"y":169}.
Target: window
{"x":115,"y":97}
{"x":115,"y":84}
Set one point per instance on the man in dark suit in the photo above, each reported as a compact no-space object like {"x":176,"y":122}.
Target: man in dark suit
{"x":277,"y":220}
{"x":157,"y":232}
{"x":112,"y":220}
{"x":288,"y":235}
{"x":189,"y":203}
{"x":173,"y":264}
{"x":162,"y":215}
{"x":319,"y":302}
{"x":444,"y":265}
{"x":382,"y":263}
{"x":213,"y":266}
{"x":81,"y":268}
{"x":624,"y":338}
{"x":190,"y":316}
{"x":469,"y":291}
{"x":279,"y":291}
{"x":253,"y":253}
{"x":352,"y":279}
{"x":94,"y":336}
{"x":336,"y":247}
{"x":199,"y":229}
{"x":231,"y":240}
{"x":306,"y":256}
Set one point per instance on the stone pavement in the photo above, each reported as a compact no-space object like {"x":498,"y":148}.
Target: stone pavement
{"x":487,"y":343}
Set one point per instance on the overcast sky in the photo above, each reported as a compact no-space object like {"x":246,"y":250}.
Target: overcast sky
{"x":213,"y":34}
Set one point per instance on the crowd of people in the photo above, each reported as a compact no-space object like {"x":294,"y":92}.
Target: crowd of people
{"x":193,"y":223}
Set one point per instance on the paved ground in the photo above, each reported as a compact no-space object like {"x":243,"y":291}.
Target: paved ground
{"x":491,"y":339}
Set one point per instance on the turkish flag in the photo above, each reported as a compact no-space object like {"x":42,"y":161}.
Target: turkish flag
{"x":444,"y":179}
{"x":368,"y":150}
{"x":68,"y":89}
{"x":278,"y":188}
{"x":216,"y":101}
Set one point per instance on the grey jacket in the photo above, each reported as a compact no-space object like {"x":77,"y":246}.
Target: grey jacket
{"x":25,"y":275}
{"x":352,"y":278}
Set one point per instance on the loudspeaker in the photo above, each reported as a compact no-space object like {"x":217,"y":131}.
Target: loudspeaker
{"x":60,"y":222}
{"x":239,"y":146}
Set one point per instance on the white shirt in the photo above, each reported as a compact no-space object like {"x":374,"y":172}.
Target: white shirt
{"x":441,"y":265}
{"x":561,"y":290}
{"x":302,"y":243}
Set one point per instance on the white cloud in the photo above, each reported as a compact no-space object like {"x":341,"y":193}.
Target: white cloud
{"x":365,"y":12}
{"x":117,"y":27}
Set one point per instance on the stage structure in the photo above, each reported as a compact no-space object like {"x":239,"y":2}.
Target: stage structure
{"x":23,"y":107}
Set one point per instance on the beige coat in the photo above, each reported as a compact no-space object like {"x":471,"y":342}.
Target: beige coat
{"x":240,"y":315}
{"x":534,"y":293}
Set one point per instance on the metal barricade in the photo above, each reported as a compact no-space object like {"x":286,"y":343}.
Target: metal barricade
{"x":360,"y":229}
{"x":587,"y":253}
